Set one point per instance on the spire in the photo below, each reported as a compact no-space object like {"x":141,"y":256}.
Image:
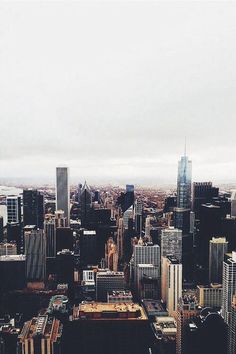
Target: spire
{"x":185,"y":146}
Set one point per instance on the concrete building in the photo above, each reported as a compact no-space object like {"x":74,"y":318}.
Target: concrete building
{"x":171,"y":242}
{"x":63,"y":191}
{"x":229,"y":285}
{"x":108,"y":281}
{"x":218,"y":247}
{"x":210,"y":295}
{"x":13,"y":209}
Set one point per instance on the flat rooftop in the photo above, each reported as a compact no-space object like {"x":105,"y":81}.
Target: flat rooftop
{"x":104,"y":311}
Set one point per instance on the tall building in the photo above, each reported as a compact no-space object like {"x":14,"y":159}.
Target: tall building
{"x":232,"y":328}
{"x":1,"y":228}
{"x":229,"y":285}
{"x":138,"y":212}
{"x":40,"y":335}
{"x":111,"y":255}
{"x":171,"y":283}
{"x":33,"y":208}
{"x":14,"y":234}
{"x":63,"y":191}
{"x":64,"y":238}
{"x":35,"y":251}
{"x":107,"y":281}
{"x":171,"y":242}
{"x":203,"y":192}
{"x":88,"y":248}
{"x":217,"y":249}
{"x":148,"y":229}
{"x":85,"y":204}
{"x":12,"y":272}
{"x":13,"y":209}
{"x":120,"y":238}
{"x":184,"y":181}
{"x":147,"y":254}
{"x":60,"y":219}
{"x":233,"y":203}
{"x":210,"y":295}
{"x":147,"y":281}
{"x":50,"y":234}
{"x":127,"y":215}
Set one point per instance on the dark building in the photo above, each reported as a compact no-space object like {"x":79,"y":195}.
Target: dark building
{"x":1,"y":228}
{"x":206,"y":334}
{"x":182,"y":219}
{"x":88,"y":248}
{"x":229,"y":231}
{"x":210,"y":226}
{"x":125,"y":200}
{"x":33,"y":208}
{"x":14,"y":233}
{"x":203,"y":192}
{"x":85,"y":205}
{"x":65,"y":268}
{"x":170,"y":204}
{"x":12,"y":272}
{"x":64,"y":238}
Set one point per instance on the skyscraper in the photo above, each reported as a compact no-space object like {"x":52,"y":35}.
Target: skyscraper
{"x":50,"y":234}
{"x":217,"y":249}
{"x":138,"y":211}
{"x":35,"y":251}
{"x":184,"y":183}
{"x":33,"y":208}
{"x":171,"y":283}
{"x":86,"y":204}
{"x":233,"y":203}
{"x":232,"y":328}
{"x":203,"y":192}
{"x":229,"y":285}
{"x":63,"y":191}
{"x":13,"y":209}
{"x":171,"y":243}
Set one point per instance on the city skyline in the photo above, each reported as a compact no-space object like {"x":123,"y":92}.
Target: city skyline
{"x":85,"y":97}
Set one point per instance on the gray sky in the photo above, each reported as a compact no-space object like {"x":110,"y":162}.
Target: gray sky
{"x":112,"y":89}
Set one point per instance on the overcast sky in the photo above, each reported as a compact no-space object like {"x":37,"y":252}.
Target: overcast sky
{"x":112,"y":89}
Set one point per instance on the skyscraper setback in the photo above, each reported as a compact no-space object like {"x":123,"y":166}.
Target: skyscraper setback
{"x":63,"y":191}
{"x":184,"y":183}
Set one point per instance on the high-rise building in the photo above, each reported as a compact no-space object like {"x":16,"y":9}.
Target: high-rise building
{"x":147,"y":254}
{"x":171,"y":243}
{"x":107,"y":281}
{"x":111,"y":255}
{"x":50,"y":234}
{"x":33,"y":208}
{"x":40,"y":335}
{"x":64,"y":238}
{"x":229,"y":285}
{"x":184,"y":181}
{"x":171,"y":283}
{"x":14,"y":234}
{"x":13,"y":209}
{"x":63,"y":191}
{"x":203,"y":192}
{"x":210,"y":295}
{"x":1,"y":228}
{"x":35,"y":251}
{"x":120,"y":238}
{"x":12,"y":272}
{"x":217,"y":249}
{"x":88,"y":248}
{"x":127,"y":215}
{"x":60,"y":219}
{"x":138,"y":212}
{"x":229,"y":231}
{"x":233,"y":203}
{"x":148,"y":229}
{"x":232,"y":328}
{"x":65,"y":267}
{"x":85,"y":204}
{"x":147,"y":281}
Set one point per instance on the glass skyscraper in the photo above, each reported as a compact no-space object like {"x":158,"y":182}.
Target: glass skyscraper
{"x":63,"y":191}
{"x":184,"y":183}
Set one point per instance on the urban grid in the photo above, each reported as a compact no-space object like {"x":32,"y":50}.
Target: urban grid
{"x":112,"y":270}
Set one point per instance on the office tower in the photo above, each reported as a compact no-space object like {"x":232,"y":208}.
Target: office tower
{"x":210,"y":295}
{"x":138,"y":214}
{"x":170,"y":204}
{"x":107,"y":281}
{"x":147,"y":281}
{"x":232,"y":328}
{"x":126,"y":200}
{"x":210,"y":226}
{"x":182,"y":219}
{"x":109,"y":328}
{"x":64,"y":238}
{"x":79,"y":192}
{"x":148,"y":229}
{"x":127,"y":215}
{"x":171,"y":243}
{"x":40,"y":335}
{"x":63,"y":191}
{"x":86,"y":204}
{"x":217,"y":249}
{"x":147,"y":254}
{"x":13,"y":209}
{"x":120,"y":238}
{"x":171,"y":283}
{"x":50,"y":234}
{"x":14,"y":234}
{"x":65,"y":267}
{"x":229,"y":231}
{"x":88,"y":247}
{"x":60,"y":219}
{"x":229,"y":285}
{"x":187,"y":309}
{"x":33,"y":208}
{"x":203,"y":192}
{"x":12,"y":272}
{"x":1,"y":228}
{"x":233,"y":203}
{"x":35,"y":251}
{"x":8,"y":248}
{"x":184,"y":183}
{"x":111,"y":255}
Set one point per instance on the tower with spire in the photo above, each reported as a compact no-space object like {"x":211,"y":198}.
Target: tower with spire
{"x":86,"y":204}
{"x":184,"y":181}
